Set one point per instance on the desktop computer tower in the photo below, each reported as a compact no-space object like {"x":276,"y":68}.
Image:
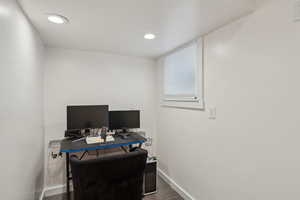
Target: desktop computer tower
{"x":150,"y":177}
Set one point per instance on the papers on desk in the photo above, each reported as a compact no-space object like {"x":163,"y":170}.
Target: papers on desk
{"x":93,"y":140}
{"x":98,"y":139}
{"x":110,"y":138}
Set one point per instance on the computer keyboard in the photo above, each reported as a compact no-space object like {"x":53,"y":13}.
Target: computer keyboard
{"x":93,"y":140}
{"x":98,"y":139}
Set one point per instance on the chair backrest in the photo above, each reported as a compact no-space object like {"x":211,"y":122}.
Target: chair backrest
{"x":116,"y":177}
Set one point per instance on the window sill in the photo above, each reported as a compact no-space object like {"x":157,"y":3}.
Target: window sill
{"x":198,"y":105}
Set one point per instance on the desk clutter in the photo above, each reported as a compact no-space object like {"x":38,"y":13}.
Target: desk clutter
{"x":91,"y":127}
{"x":99,"y":139}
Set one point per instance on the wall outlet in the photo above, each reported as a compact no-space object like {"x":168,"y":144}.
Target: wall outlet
{"x":148,"y":143}
{"x":54,"y":151}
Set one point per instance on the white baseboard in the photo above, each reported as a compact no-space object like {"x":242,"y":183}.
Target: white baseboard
{"x":184,"y":194}
{"x":55,"y":190}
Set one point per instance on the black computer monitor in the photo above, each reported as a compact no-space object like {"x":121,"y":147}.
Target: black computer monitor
{"x":83,"y":117}
{"x":124,"y":119}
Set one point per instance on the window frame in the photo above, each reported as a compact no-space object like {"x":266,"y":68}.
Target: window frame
{"x":185,"y":101}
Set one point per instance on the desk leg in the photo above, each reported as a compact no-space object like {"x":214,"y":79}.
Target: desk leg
{"x":124,"y":149}
{"x":83,"y":155}
{"x":130,"y":147}
{"x":68,"y":175}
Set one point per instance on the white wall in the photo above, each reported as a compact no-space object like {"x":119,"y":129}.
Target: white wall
{"x":21,"y":109}
{"x":81,"y":77}
{"x":251,"y":151}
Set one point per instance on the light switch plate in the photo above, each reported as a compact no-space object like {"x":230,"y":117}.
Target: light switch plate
{"x":212,"y":113}
{"x":297,"y":11}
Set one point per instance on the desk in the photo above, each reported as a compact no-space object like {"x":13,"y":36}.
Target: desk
{"x":68,"y":146}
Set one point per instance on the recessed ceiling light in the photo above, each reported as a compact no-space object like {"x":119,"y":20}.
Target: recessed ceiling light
{"x":57,"y":19}
{"x":149,"y":36}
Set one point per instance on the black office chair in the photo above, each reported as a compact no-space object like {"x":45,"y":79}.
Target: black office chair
{"x":116,"y":177}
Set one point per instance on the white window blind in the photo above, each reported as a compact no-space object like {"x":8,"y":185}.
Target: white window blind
{"x":181,"y":74}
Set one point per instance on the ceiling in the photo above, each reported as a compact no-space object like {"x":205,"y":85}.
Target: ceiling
{"x":118,"y":26}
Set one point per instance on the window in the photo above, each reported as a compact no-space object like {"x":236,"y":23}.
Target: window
{"x":183,"y":77}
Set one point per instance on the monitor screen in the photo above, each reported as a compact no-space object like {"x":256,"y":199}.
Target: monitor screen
{"x":124,"y":119}
{"x":82,"y":117}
